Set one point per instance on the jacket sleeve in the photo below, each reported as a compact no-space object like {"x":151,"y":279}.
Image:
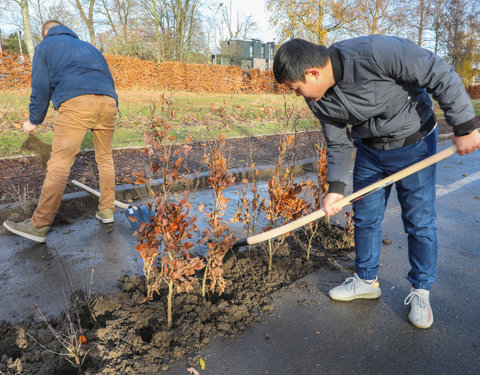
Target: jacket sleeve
{"x":339,"y":153}
{"x":406,"y":62}
{"x":41,"y":88}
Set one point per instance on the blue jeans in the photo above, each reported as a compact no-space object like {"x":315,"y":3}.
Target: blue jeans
{"x":416,"y":194}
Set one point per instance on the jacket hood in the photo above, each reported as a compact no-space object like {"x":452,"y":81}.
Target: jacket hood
{"x":60,"y":30}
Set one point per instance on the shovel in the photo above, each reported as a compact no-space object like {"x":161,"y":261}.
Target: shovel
{"x":348,"y":199}
{"x":136,"y":215}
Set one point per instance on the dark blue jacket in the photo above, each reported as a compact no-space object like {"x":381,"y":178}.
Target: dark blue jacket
{"x":65,"y":67}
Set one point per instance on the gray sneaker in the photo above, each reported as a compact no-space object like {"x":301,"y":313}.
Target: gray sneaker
{"x":105,"y":216}
{"x":354,"y":287}
{"x":27,"y":230}
{"x":421,"y":315}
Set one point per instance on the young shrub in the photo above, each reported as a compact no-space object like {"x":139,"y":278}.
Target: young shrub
{"x":284,"y":203}
{"x":165,"y":241}
{"x":216,"y":235}
{"x":250,"y":205}
{"x":318,"y":191}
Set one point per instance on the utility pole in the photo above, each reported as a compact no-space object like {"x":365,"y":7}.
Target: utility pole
{"x":20,"y":41}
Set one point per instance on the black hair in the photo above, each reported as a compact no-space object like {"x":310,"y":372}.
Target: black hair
{"x":294,"y":57}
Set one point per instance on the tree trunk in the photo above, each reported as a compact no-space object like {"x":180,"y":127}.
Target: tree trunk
{"x":88,"y":20}
{"x":27,"y":29}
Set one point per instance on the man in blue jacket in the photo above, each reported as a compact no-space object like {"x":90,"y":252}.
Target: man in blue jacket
{"x":381,"y":86}
{"x":75,"y":76}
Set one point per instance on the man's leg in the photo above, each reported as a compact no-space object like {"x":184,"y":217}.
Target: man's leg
{"x":368,"y":217}
{"x":368,"y":211}
{"x":103,"y":131}
{"x":69,"y":132}
{"x":416,"y":194}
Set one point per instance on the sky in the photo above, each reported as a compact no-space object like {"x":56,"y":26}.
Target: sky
{"x":256,"y":8}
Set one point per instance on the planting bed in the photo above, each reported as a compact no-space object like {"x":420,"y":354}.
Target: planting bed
{"x":27,"y":172}
{"x":131,"y":336}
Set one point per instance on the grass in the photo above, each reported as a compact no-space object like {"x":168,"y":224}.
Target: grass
{"x":242,"y":114}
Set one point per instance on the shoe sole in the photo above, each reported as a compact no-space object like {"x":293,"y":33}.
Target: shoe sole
{"x":24,"y":234}
{"x":420,"y":325}
{"x":375,"y":295}
{"x":104,"y":221}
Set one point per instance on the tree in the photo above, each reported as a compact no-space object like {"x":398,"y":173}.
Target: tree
{"x":311,"y":19}
{"x":183,"y":19}
{"x":88,"y":18}
{"x":242,"y":26}
{"x":157,"y":14}
{"x":23,"y":4}
{"x":414,"y":19}
{"x":437,"y":12}
{"x":119,"y":15}
{"x":11,"y":44}
{"x":43,"y":11}
{"x":374,"y":17}
{"x":462,"y":36}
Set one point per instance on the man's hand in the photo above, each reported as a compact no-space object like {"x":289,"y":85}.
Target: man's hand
{"x":467,"y":143}
{"x":329,"y":201}
{"x":28,"y":127}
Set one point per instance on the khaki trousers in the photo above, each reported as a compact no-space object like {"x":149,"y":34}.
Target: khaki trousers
{"x":75,"y":117}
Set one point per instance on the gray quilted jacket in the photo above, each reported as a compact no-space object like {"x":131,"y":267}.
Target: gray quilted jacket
{"x":382,"y":90}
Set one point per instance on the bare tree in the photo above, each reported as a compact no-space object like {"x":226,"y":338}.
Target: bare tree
{"x":183,"y":12}
{"x":438,"y":17}
{"x":414,"y":19}
{"x":462,"y":31}
{"x":43,"y":11}
{"x":119,"y":16}
{"x":87,"y":18}
{"x":23,"y":4}
{"x":242,"y":26}
{"x":157,"y":15}
{"x":374,"y":17}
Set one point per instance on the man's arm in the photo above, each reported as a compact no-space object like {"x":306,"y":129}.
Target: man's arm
{"x":41,"y":88}
{"x":339,"y":153}
{"x":406,"y":62}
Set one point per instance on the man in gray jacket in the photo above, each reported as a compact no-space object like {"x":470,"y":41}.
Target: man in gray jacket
{"x":381,"y":86}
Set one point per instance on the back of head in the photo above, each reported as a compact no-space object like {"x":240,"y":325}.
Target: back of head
{"x":295,"y":57}
{"x":48,"y":25}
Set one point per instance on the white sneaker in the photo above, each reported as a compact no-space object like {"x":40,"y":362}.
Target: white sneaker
{"x":354,"y":287}
{"x":421,"y":315}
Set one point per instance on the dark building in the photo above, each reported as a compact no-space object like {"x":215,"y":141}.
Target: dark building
{"x":247,"y":54}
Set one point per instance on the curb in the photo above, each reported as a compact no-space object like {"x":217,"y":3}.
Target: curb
{"x":129,"y":193}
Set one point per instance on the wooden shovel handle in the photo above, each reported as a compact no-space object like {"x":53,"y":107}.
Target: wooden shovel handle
{"x":353,"y":197}
{"x":94,"y":192}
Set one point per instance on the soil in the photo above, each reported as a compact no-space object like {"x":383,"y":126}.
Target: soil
{"x":126,"y":335}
